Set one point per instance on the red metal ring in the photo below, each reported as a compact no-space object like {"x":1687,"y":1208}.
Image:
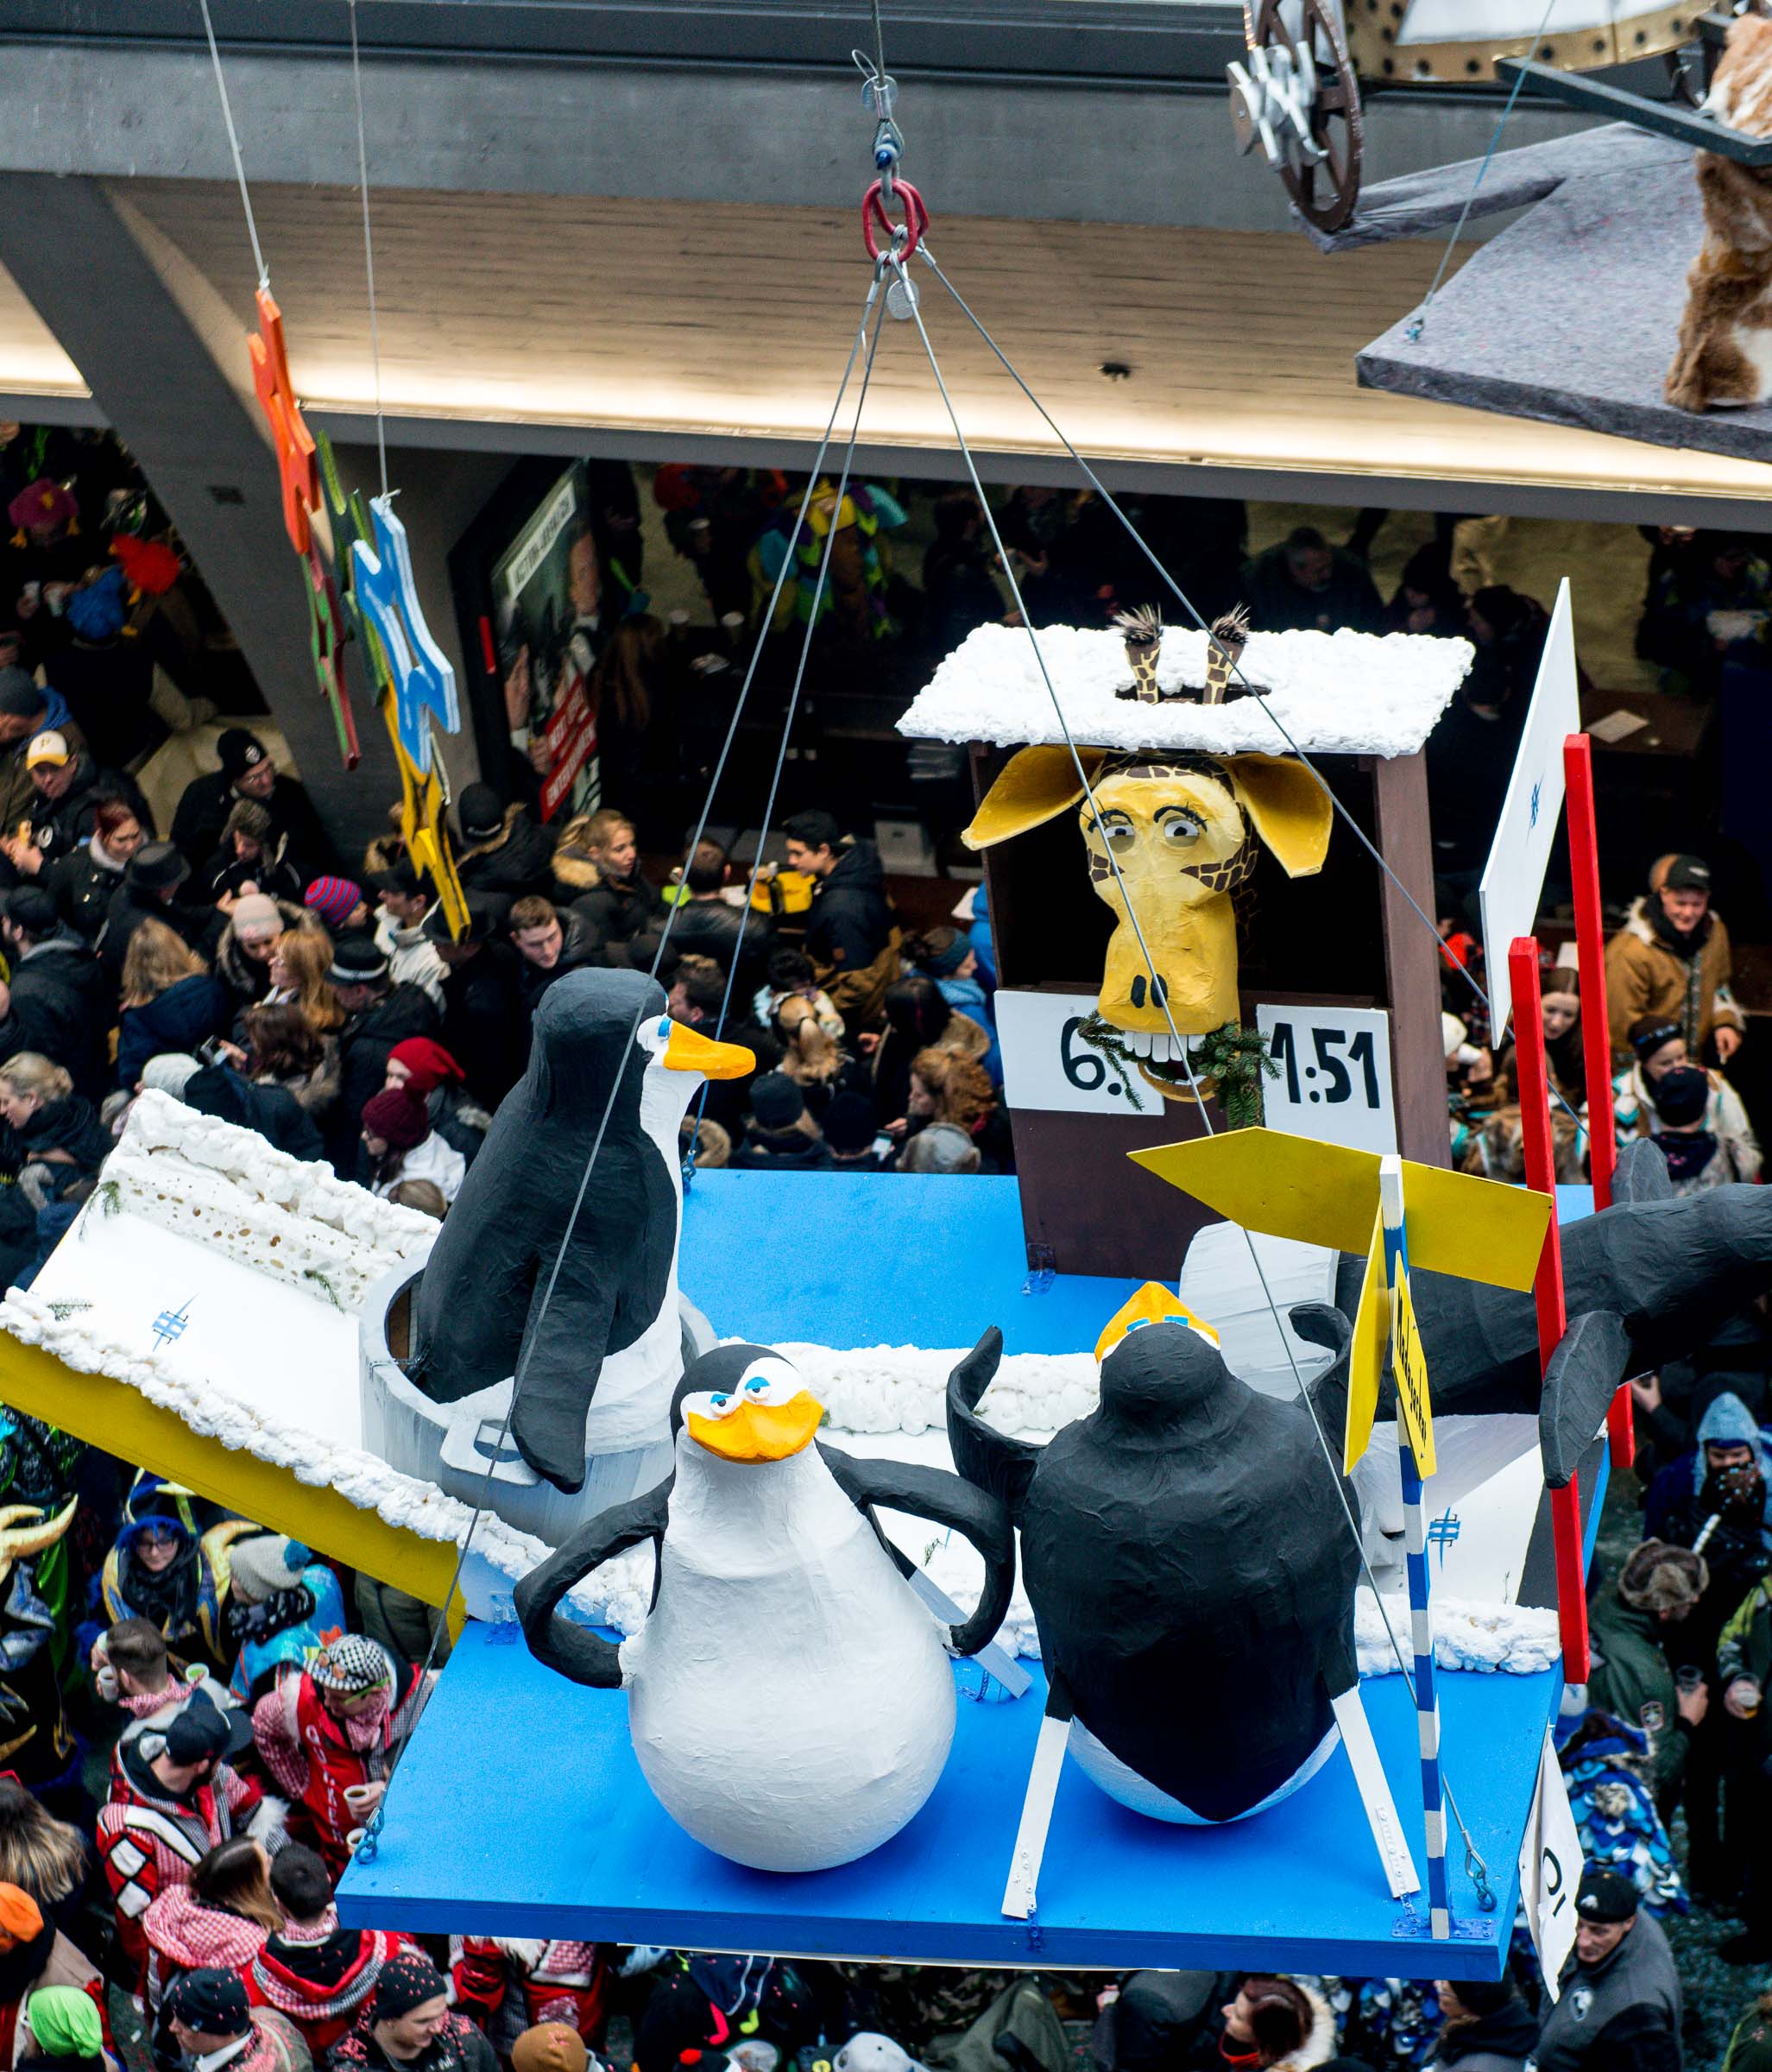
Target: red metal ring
{"x":873,"y":211}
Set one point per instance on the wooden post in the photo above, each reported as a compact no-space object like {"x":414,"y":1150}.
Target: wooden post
{"x":1412,"y":959}
{"x":1596,"y":1028}
{"x":1548,"y":1289}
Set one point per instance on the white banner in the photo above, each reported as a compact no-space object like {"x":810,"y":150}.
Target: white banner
{"x":1513,"y":878}
{"x":1550,"y":1868}
{"x":1335,"y":1078}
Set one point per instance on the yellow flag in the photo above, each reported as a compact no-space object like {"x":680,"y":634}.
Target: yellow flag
{"x":1324,"y":1194}
{"x":1365,"y":1357}
{"x":1409,"y":1364}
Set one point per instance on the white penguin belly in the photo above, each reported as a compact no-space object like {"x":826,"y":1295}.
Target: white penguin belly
{"x":1121,"y":1781}
{"x":789,"y":1700}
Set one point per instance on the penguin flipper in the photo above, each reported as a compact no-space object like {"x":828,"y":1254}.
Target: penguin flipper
{"x":574,"y":1650}
{"x":945,"y":1499}
{"x":1641,"y":1173}
{"x":1590,"y":1362}
{"x":987,"y":1457}
{"x":558,"y":1369}
{"x":1319,"y":1324}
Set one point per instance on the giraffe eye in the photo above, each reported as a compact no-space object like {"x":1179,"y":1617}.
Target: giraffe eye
{"x":1116,"y":830}
{"x":1180,"y":829}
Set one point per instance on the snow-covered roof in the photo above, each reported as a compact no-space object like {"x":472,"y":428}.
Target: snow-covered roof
{"x":1334,"y":693}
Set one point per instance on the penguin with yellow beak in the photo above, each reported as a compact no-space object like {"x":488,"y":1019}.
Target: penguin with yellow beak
{"x":566,"y":1281}
{"x":778,"y":1603}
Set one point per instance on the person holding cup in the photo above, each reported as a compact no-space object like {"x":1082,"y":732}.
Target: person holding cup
{"x":1632,"y":1677}
{"x":1744,"y":1662}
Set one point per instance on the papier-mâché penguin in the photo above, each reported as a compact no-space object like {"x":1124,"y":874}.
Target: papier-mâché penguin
{"x":599,"y":1366}
{"x":1188,"y":1563}
{"x":790,"y":1697}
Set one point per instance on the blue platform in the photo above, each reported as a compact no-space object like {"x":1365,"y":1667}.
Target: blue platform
{"x":520,"y":1809}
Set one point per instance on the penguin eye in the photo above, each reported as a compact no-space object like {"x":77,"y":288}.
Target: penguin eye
{"x":756,"y":1383}
{"x":771,"y":1382}
{"x":720,"y":1402}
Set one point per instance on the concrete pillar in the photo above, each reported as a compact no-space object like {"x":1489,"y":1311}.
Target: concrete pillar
{"x":168,"y":366}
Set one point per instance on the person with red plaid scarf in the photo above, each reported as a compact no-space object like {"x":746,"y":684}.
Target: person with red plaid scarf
{"x":317,"y":1974}
{"x":172,"y":1798}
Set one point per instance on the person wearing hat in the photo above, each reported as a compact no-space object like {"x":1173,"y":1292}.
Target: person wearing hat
{"x":34,"y":1956}
{"x":399,"y":1145}
{"x":250,"y":858}
{"x":1151,"y":2021}
{"x":549,"y":2047}
{"x":483,"y":1023}
{"x":330,"y":1732}
{"x":173,"y":1796}
{"x":403,"y":899}
{"x":67,"y":787}
{"x":56,"y":1000}
{"x":430,"y":1073}
{"x":1743,"y":1670}
{"x":247,"y":772}
{"x":243,"y":959}
{"x":1672,"y":959}
{"x":282,"y":1602}
{"x":1696,"y":1161}
{"x":152,"y":890}
{"x":850,"y":1133}
{"x":27,"y":710}
{"x":780,"y":1136}
{"x":944,"y":955}
{"x":319,"y":1976}
{"x":555,"y":1993}
{"x":502,"y":849}
{"x":1630,"y":1626}
{"x":407,"y":2026}
{"x":1619,"y":2008}
{"x":1488,"y":2027}
{"x":339,"y":903}
{"x":65,"y":2028}
{"x":209,"y":2017}
{"x":1658,"y":1048}
{"x":378,"y":1014}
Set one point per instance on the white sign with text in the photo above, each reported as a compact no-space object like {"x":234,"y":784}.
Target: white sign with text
{"x":1333,"y":1083}
{"x":1550,"y":1868}
{"x":1513,"y":878}
{"x":1048,"y":1063}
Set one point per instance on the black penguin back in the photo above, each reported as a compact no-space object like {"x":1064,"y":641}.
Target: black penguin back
{"x":1192,"y":1574}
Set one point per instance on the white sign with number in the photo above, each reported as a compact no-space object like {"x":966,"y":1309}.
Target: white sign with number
{"x":1048,"y":1063}
{"x":1333,"y":1082}
{"x":1550,"y":1868}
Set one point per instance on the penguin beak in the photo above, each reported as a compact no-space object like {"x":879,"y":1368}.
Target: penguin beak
{"x":687,"y":1050}
{"x":759,"y":1431}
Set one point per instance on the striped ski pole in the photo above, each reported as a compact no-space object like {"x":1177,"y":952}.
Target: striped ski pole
{"x":1415,"y":1548}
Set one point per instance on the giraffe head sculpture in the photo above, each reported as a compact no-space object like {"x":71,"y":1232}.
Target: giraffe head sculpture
{"x":1168,"y":836}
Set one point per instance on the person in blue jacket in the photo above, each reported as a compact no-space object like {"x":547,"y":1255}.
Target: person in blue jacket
{"x":946,"y":956}
{"x":284,"y":1605}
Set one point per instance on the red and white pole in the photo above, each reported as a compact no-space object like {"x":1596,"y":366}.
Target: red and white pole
{"x":1596,"y":1031}
{"x":1534,"y":1089}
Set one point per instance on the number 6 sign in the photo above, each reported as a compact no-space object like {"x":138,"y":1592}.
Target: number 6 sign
{"x":1333,"y":1082}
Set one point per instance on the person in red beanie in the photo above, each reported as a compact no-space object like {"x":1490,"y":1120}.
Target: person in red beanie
{"x":399,"y":1145}
{"x":431,"y":1074}
{"x":339,"y":903}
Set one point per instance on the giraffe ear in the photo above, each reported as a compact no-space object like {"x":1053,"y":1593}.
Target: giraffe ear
{"x":1289,"y":808}
{"x":1035,"y":786}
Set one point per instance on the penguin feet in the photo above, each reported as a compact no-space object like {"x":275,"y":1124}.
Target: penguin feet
{"x":552,"y":1441}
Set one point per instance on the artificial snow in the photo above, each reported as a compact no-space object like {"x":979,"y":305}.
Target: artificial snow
{"x":1333,"y":693}
{"x":1521,"y":1638}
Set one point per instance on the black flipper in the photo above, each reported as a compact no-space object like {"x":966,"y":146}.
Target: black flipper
{"x":1584,"y":1376}
{"x":1641,"y":1174}
{"x":987,"y":1458}
{"x":1317,"y":1324}
{"x":557,"y":1373}
{"x":945,"y":1499}
{"x":574,"y":1650}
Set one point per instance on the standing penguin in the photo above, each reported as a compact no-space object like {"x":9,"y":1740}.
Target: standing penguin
{"x":1188,"y":1560}
{"x":779,"y":1604}
{"x":599,"y":1347}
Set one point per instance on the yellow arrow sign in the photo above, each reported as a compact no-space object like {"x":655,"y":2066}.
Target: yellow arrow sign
{"x":1324,"y":1194}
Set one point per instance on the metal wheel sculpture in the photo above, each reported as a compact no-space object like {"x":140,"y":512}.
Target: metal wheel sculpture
{"x":1295,"y":95}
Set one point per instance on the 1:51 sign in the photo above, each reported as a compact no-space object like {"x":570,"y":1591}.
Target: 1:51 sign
{"x":1335,"y":1078}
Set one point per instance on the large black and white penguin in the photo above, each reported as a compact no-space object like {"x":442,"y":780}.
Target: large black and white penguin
{"x":599,"y":1347}
{"x":1188,"y":1563}
{"x":790,"y":1697}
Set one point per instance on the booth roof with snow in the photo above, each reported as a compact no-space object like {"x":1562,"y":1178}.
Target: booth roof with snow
{"x":1361,"y":706}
